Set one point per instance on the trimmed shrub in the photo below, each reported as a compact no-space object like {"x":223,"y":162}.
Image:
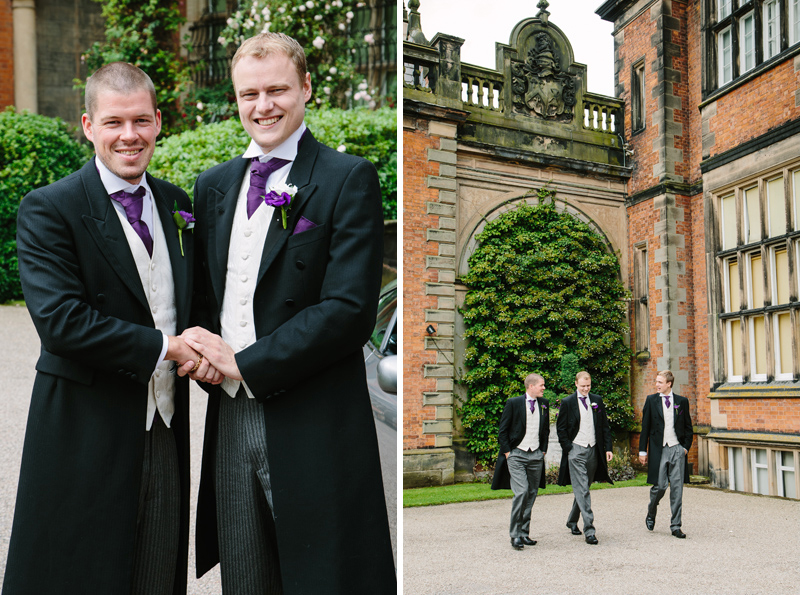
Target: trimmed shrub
{"x":366,"y":133}
{"x":34,"y":151}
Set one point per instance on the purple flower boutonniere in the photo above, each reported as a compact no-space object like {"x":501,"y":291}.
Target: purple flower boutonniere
{"x":677,"y":410}
{"x":595,"y":406}
{"x":281,"y":196}
{"x":184,"y":221}
{"x":543,"y":406}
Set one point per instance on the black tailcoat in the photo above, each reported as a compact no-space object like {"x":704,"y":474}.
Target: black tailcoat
{"x":511,"y":431}
{"x":652,"y":434}
{"x":568,"y":423}
{"x":75,"y":517}
{"x":314,"y":306}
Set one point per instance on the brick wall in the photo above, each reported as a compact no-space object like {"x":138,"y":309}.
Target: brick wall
{"x":767,"y":415}
{"x":756,"y":107}
{"x":416,"y":220}
{"x":6,"y":54}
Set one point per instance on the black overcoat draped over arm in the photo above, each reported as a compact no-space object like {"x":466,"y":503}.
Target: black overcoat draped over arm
{"x":75,"y":518}
{"x":314,"y":305}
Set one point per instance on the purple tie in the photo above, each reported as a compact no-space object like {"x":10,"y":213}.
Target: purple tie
{"x":259,"y":173}
{"x":666,"y":400}
{"x":583,"y":400}
{"x":132,"y":203}
{"x":532,"y":403}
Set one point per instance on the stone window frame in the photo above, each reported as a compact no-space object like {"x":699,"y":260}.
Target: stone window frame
{"x":759,"y":324}
{"x":638,"y":96}
{"x":745,"y":473}
{"x":641,"y":297}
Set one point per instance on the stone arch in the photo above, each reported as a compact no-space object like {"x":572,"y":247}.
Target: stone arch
{"x":475,"y":225}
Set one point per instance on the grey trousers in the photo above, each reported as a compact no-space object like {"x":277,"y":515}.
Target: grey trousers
{"x":582,"y":467}
{"x":671,"y":468}
{"x":158,"y":517}
{"x":248,"y":547}
{"x":525,"y":468}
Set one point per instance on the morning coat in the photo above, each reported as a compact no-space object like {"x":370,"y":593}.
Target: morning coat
{"x":511,"y":431}
{"x":568,"y":424}
{"x":75,"y":518}
{"x":314,"y":305}
{"x":652,"y":434}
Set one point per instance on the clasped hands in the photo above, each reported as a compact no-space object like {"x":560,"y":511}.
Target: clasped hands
{"x":203,"y":356}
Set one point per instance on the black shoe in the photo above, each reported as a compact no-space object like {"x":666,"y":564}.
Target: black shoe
{"x":574,"y":529}
{"x":527,"y":540}
{"x":679,"y":534}
{"x":517,"y":544}
{"x":650,"y":522}
{"x":591,"y":540}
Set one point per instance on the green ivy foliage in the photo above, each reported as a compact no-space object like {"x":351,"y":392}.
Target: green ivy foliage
{"x":144,"y":33}
{"x":542,"y":285}
{"x":34,"y":151}
{"x":363,"y":132}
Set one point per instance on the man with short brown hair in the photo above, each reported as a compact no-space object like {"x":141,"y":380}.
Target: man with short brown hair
{"x":103,"y":500}
{"x":585,"y":438}
{"x":667,"y":430}
{"x":289,"y":242}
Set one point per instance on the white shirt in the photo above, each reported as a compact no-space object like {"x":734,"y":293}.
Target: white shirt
{"x":585,"y":436}
{"x":114,"y":183}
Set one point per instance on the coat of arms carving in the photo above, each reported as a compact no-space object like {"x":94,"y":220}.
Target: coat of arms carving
{"x":539,"y":85}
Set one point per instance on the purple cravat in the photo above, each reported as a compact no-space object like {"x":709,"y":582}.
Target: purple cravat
{"x":259,"y":173}
{"x":666,"y":400}
{"x":532,"y":404}
{"x":583,"y":400}
{"x":132,"y":203}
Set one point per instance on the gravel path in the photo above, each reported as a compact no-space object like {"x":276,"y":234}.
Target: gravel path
{"x":736,"y":544}
{"x":21,"y":350}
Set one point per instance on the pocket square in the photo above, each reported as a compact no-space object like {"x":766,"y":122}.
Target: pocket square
{"x":303,"y":224}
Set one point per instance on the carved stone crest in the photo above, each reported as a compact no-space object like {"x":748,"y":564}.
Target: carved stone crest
{"x":539,"y":85}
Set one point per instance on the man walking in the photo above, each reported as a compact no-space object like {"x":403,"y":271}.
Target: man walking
{"x":103,"y":500}
{"x":289,"y":250}
{"x":523,"y":434}
{"x":667,"y":430}
{"x":585,"y":439}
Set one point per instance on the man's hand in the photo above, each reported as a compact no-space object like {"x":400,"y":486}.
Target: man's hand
{"x":609,"y":456}
{"x":508,"y":453}
{"x":178,"y":351}
{"x":214,"y":349}
{"x":643,"y":459}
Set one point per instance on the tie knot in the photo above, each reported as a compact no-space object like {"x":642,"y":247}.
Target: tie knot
{"x":262,"y":170}
{"x":131,"y":202}
{"x":583,"y":400}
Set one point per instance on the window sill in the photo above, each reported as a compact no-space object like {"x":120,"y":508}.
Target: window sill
{"x":786,"y":389}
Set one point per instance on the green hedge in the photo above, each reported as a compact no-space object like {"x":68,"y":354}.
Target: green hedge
{"x":366,"y":133}
{"x":34,"y":151}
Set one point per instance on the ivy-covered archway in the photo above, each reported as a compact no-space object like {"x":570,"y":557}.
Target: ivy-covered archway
{"x":541,"y":285}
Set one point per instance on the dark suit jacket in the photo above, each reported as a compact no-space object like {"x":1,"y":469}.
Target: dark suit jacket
{"x":653,"y":432}
{"x":512,"y":428}
{"x":568,"y":423}
{"x":75,"y":518}
{"x":314,"y":305}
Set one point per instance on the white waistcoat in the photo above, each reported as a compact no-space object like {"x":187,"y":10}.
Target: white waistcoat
{"x":244,"y":260}
{"x":159,"y":288}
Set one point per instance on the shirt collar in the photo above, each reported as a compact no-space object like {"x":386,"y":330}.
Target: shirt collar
{"x":113,"y":183}
{"x":286,"y":150}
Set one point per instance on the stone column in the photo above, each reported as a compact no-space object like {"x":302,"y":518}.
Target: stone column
{"x":26,"y":89}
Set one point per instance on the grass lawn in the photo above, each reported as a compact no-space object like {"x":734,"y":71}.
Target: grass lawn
{"x":472,"y":492}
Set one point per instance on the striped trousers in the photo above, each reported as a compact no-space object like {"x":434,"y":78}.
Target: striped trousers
{"x":248,"y":547}
{"x":158,"y":517}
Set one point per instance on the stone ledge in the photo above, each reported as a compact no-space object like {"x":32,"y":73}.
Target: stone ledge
{"x":428,"y":467}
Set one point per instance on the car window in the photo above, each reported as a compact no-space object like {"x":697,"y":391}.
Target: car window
{"x":386,"y":307}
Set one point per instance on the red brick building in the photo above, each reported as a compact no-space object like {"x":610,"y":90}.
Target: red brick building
{"x":710,"y":225}
{"x":713,"y":117}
